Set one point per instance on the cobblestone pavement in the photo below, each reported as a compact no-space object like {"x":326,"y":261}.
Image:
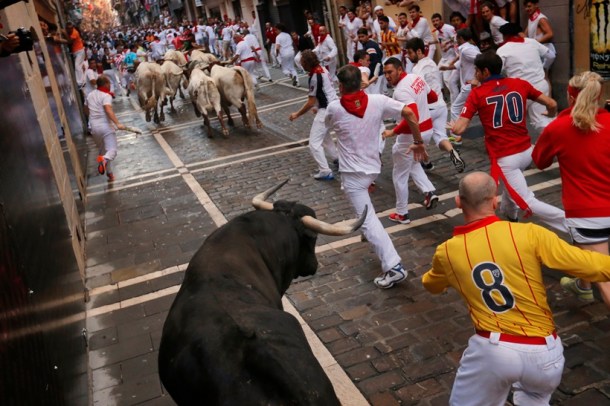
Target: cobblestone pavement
{"x":399,"y":346}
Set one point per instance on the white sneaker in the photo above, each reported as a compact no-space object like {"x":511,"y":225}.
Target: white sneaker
{"x":395,"y":275}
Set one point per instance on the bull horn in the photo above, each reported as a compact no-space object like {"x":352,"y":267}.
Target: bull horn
{"x":259,"y":201}
{"x":324,"y":228}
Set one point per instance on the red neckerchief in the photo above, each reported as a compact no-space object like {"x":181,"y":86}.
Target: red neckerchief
{"x":316,"y":69}
{"x":401,"y":77}
{"x":321,"y":38}
{"x":440,"y":30}
{"x":415,"y":21}
{"x":463,"y":25}
{"x":403,"y":26}
{"x":513,"y":38}
{"x":355,"y":103}
{"x":535,"y":15}
{"x":105,"y":89}
{"x":357,"y":65}
{"x":351,"y":19}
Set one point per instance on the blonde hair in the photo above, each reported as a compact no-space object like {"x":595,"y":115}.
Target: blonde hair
{"x":586,"y":106}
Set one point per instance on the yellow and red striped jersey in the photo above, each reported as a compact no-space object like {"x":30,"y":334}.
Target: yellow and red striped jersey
{"x":496,"y":267}
{"x":390,"y":43}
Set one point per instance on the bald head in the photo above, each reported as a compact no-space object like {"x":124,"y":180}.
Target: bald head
{"x":477,"y":193}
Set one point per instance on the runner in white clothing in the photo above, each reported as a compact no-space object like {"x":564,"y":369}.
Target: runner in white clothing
{"x":285,"y":53}
{"x":245,"y":57}
{"x":412,"y":90}
{"x":538,"y":28}
{"x":445,"y":34}
{"x":495,"y":22}
{"x":522,"y":58}
{"x":427,"y":69}
{"x":327,"y":52}
{"x":355,"y":119}
{"x":467,"y":52}
{"x":260,"y":64}
{"x":98,"y":107}
{"x":321,"y":93}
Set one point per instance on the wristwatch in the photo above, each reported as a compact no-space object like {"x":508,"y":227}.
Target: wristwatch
{"x":418,"y":142}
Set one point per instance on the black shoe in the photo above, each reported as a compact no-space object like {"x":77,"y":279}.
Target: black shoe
{"x":295,"y":81}
{"x":457,"y":161}
{"x":427,"y":166}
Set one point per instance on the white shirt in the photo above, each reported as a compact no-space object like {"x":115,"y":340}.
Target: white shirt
{"x":200,"y":32}
{"x":227,"y":33}
{"x":421,"y":30}
{"x":446,"y":39}
{"x":158,"y":49}
{"x":427,"y":69}
{"x":467,"y":53}
{"x":96,"y":101}
{"x":413,"y":89}
{"x":244,"y":51}
{"x":358,"y":138}
{"x":284,"y":42}
{"x":523,"y":60}
{"x":90,"y":75}
{"x":352,"y":29}
{"x":494,"y":25}
{"x":210,"y":31}
{"x":327,"y":49}
{"x":252,"y":41}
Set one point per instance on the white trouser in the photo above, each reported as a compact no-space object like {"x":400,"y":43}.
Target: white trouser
{"x":489,"y":368}
{"x":350,"y":49}
{"x":212,"y":46}
{"x":512,"y":167}
{"x":451,"y":79}
{"x":320,"y":141}
{"x":297,"y":60}
{"x":114,"y":84}
{"x":104,"y":137}
{"x":262,"y":65}
{"x":79,"y":61}
{"x":460,"y":100}
{"x":355,"y":186}
{"x":439,"y":125}
{"x":250,"y":66}
{"x":404,"y":167}
{"x":287,"y":62}
{"x":274,"y":58}
{"x":535,"y":110}
{"x":331,"y":66}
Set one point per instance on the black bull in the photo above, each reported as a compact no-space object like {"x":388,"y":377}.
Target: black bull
{"x":227,"y":340}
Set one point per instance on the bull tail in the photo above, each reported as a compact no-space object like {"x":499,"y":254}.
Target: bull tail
{"x":252,"y":113}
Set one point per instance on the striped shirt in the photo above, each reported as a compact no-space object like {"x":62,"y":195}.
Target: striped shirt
{"x":388,"y":38}
{"x":496,"y":267}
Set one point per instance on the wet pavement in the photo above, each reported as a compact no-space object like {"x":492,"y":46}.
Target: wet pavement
{"x":174,"y":186}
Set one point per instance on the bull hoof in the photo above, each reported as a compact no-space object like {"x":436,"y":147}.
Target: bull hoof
{"x":156,"y":120}
{"x":231,"y":124}
{"x":210,"y":135}
{"x":225,"y":133}
{"x":259,"y":125}
{"x":173,"y":111}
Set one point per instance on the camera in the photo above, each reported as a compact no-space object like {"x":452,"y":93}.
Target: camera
{"x":26,"y":41}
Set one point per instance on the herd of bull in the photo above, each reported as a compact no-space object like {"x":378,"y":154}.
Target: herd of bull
{"x":211,"y":87}
{"x":226,"y":339}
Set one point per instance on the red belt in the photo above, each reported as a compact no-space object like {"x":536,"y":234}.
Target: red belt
{"x":509,"y":338}
{"x":257,"y":49}
{"x":248,"y":59}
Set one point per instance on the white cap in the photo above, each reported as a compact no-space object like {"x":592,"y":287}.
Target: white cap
{"x":378,"y":8}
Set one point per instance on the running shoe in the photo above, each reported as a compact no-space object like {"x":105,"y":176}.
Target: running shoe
{"x":457,"y":161}
{"x":430,"y":200}
{"x":400,"y":218}
{"x":571,"y":285}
